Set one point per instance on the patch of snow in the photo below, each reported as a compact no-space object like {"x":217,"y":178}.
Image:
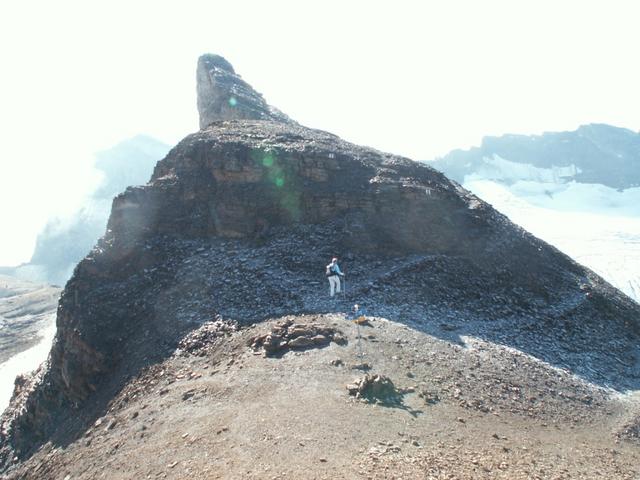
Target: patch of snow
{"x":25,"y":362}
{"x":580,"y":197}
{"x":497,"y":168}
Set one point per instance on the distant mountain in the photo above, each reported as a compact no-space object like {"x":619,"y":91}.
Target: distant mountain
{"x":577,"y":190}
{"x":64,"y":242}
{"x":594,"y":153}
{"x":130,"y":162}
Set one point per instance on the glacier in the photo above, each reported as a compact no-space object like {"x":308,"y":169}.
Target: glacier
{"x":596,"y":225}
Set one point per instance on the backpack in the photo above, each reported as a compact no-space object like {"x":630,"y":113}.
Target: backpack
{"x":329,"y":271}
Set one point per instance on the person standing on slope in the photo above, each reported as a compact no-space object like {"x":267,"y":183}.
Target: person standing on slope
{"x":333,"y":274}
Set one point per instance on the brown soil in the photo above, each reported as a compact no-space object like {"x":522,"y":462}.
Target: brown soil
{"x":222,"y":409}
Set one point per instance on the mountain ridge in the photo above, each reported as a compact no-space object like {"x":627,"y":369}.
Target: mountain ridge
{"x":236,"y":226}
{"x":602,"y":153}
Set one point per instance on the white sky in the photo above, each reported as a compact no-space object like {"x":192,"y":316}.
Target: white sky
{"x":413,"y":77}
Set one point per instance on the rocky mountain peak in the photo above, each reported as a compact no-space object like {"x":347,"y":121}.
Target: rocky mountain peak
{"x":211,"y":61}
{"x":224,"y":95}
{"x":237,"y":224}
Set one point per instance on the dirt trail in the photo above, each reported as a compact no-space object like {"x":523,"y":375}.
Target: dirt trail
{"x":219,"y":408}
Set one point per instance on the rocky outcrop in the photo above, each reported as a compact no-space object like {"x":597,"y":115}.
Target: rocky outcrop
{"x":375,"y":389}
{"x":223,"y":95}
{"x":200,"y":341}
{"x":238,"y":222}
{"x":288,"y":335}
{"x":238,"y":179}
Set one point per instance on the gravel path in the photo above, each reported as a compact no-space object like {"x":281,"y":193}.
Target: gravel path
{"x":219,"y":408}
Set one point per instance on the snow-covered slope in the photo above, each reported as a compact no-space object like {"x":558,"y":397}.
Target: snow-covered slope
{"x":594,"y":222}
{"x":605,"y":238}
{"x":27,"y":325}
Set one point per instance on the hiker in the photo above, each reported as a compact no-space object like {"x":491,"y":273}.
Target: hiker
{"x":333,"y":274}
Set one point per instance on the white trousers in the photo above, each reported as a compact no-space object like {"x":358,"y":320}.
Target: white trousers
{"x":334,"y":285}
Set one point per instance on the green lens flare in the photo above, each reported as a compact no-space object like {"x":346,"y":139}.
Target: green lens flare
{"x":233,"y":102}
{"x":290,"y":201}
{"x":279,"y":182}
{"x":267,"y":161}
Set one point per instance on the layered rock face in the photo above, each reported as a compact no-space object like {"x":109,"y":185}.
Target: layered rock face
{"x":238,"y":222}
{"x":223,"y":95}
{"x":237,"y":179}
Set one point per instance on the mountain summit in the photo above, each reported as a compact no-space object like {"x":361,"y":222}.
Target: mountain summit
{"x":223,"y":95}
{"x":236,"y":226}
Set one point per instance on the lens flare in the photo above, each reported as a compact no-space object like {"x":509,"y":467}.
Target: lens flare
{"x":267,"y":161}
{"x":286,"y":192}
{"x":233,"y":102}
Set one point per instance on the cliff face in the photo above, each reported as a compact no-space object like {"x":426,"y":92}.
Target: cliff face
{"x":237,"y":179}
{"x":223,"y":95}
{"x":239,"y":220}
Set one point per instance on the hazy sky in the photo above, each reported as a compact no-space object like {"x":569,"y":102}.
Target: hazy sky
{"x":416,"y":78}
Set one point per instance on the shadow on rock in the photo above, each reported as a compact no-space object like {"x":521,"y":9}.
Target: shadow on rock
{"x":379,"y":390}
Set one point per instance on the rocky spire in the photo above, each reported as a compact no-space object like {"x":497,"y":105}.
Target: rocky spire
{"x":223,"y":95}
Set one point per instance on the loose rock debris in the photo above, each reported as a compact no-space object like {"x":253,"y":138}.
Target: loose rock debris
{"x":375,"y":389}
{"x":630,"y":431}
{"x":287,"y":335}
{"x":196,"y":342}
